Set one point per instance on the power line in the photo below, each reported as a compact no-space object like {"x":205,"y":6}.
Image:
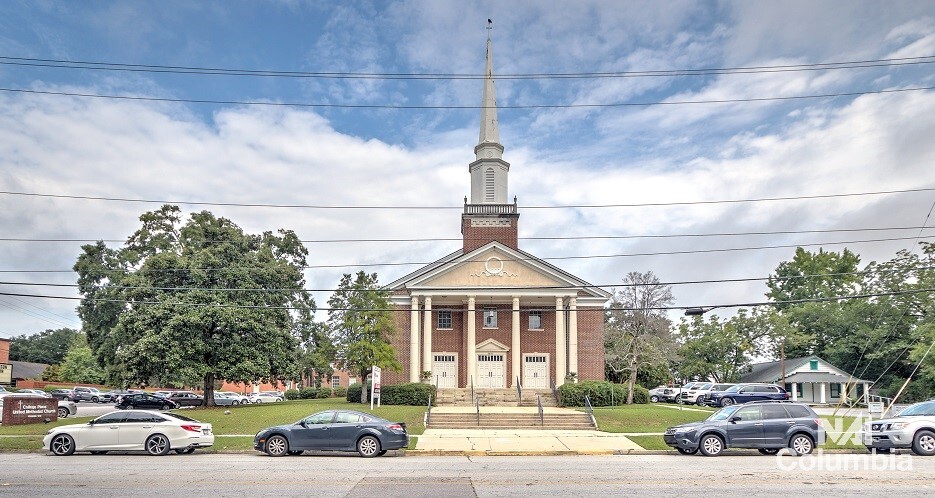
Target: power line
{"x":548,"y":287}
{"x":195,"y":70}
{"x":407,"y":308}
{"x":569,"y":237}
{"x":554,"y":258}
{"x":558,"y":206}
{"x":457,"y":107}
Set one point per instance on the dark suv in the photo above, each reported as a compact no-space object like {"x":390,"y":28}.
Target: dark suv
{"x":767,"y":426}
{"x":145,"y":401}
{"x":743,"y":393}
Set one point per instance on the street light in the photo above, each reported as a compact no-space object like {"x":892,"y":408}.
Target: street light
{"x":698,"y":311}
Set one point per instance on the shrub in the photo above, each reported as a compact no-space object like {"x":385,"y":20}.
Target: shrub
{"x":353,"y":393}
{"x":600,"y":393}
{"x":324,"y":392}
{"x":308,"y":393}
{"x":414,"y":394}
{"x":291,"y":394}
{"x":340,"y":392}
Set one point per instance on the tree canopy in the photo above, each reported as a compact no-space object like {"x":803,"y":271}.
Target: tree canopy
{"x":48,"y":346}
{"x":188,"y":304}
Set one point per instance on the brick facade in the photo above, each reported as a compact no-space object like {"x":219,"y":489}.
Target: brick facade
{"x":479,"y":236}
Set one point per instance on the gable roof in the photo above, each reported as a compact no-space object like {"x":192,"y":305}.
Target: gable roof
{"x":28,"y":370}
{"x":771,"y":371}
{"x":425,"y":275}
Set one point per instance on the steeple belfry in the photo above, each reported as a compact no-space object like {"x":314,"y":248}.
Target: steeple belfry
{"x":489,"y":172}
{"x":489,"y":216}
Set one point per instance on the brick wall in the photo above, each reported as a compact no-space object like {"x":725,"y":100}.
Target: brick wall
{"x":475,"y":237}
{"x":4,"y":350}
{"x":590,"y":343}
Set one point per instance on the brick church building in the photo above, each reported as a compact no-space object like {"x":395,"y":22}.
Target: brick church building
{"x":490,"y":315}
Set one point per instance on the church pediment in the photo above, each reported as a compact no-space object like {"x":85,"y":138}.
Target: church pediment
{"x":493,"y":266}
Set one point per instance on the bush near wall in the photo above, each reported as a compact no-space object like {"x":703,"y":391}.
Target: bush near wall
{"x":291,"y":394}
{"x":308,"y":393}
{"x":324,"y":392}
{"x":340,"y":392}
{"x":414,"y":394}
{"x":600,"y":393}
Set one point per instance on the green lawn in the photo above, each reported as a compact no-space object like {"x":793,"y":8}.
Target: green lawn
{"x":244,"y":420}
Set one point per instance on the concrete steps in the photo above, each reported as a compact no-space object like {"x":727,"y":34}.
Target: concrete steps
{"x":494,"y":397}
{"x":570,"y":420}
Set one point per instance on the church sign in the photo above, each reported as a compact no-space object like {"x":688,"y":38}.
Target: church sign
{"x":19,"y":410}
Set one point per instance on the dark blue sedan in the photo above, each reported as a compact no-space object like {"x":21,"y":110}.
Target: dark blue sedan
{"x":334,"y":430}
{"x":744,"y":393}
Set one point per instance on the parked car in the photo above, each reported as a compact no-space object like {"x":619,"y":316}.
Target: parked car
{"x":146,"y":401}
{"x":221,"y":399}
{"x":334,"y":430}
{"x":705,"y":398}
{"x":239,"y":398}
{"x":66,"y":394}
{"x":767,"y":426}
{"x":690,"y":396}
{"x":186,"y":398}
{"x":743,"y":393}
{"x":655,"y":394}
{"x":265,"y":398}
{"x":913,"y":428}
{"x":83,"y":393}
{"x":135,"y":430}
{"x":37,"y":392}
{"x":112,"y":396}
{"x":672,"y":394}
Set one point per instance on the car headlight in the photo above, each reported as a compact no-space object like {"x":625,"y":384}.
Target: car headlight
{"x":50,"y":431}
{"x":899,"y":425}
{"x":681,"y":430}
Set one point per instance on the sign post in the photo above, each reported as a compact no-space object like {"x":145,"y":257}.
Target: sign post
{"x":375,"y":386}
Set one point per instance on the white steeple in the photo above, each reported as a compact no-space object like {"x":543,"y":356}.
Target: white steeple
{"x":489,"y":171}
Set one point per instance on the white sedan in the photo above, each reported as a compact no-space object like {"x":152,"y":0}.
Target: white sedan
{"x":265,"y":398}
{"x":131,"y":430}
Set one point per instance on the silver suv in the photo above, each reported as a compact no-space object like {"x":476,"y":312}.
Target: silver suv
{"x":913,"y":428}
{"x":91,"y":394}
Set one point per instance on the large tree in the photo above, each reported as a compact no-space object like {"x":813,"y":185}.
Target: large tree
{"x":79,"y":365}
{"x":814,"y":276}
{"x":195,"y":303}
{"x":637,"y":328}
{"x":48,"y":346}
{"x":362,"y":325}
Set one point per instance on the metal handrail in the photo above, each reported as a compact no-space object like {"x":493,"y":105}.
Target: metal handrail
{"x":428,"y":411}
{"x":477,"y":404}
{"x":472,"y":386}
{"x":590,"y":409}
{"x":554,"y":390}
{"x":519,"y":390}
{"x":541,"y":415}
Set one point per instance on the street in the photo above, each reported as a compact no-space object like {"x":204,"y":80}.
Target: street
{"x":37,"y":474}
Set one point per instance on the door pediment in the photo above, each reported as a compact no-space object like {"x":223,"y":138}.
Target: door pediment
{"x":492,"y":346}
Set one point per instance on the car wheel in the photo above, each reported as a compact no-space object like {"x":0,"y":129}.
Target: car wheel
{"x":699,"y":402}
{"x":94,"y":399}
{"x":63,"y":413}
{"x":62,"y":445}
{"x":368,"y":446}
{"x":157,"y":445}
{"x":185,"y":451}
{"x":277,"y":446}
{"x":295,"y":452}
{"x":128,"y":407}
{"x":98,"y":452}
{"x":801,"y":444}
{"x":768,"y":451}
{"x":685,"y":451}
{"x":727,"y":401}
{"x":654,"y":399}
{"x":711,"y":445}
{"x":923,"y":444}
{"x":166,"y":408}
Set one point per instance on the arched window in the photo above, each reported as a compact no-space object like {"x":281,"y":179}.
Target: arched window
{"x":488,"y":185}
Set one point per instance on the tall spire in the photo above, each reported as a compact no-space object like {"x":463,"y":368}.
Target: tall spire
{"x":489,"y":131}
{"x":489,"y":170}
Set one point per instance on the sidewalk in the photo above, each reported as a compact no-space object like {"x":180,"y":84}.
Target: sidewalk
{"x":522,"y":442}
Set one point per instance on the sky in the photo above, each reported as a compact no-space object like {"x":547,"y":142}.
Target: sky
{"x":628,"y":168}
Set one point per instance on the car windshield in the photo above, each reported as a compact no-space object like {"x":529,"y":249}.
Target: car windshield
{"x":702,"y":386}
{"x":922,"y":409}
{"x":177,"y":416}
{"x":723,"y":413}
{"x":732,"y":389}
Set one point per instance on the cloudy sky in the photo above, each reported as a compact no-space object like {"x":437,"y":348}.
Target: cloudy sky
{"x":639,"y":134}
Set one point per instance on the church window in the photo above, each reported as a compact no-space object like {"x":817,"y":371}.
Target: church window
{"x":488,"y":185}
{"x":535,"y":320}
{"x":490,"y":318}
{"x":444,"y":319}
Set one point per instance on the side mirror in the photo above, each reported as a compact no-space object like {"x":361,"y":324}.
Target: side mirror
{"x":91,"y":422}
{"x":734,"y":420}
{"x":303,"y":424}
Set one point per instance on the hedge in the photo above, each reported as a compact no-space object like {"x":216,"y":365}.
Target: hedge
{"x":414,"y":394}
{"x":340,"y":392}
{"x":291,"y":394}
{"x":600,"y":393}
{"x":308,"y":393}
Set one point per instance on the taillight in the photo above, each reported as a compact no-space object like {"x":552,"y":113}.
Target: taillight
{"x":818,"y":421}
{"x":192,"y":428}
{"x":395,"y":427}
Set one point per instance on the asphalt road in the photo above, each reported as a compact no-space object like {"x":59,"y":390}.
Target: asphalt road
{"x":36,"y":474}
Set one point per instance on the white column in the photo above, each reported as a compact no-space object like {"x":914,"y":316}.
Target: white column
{"x":795,"y":392}
{"x":427,"y":331}
{"x":573,"y":336}
{"x":559,"y":343}
{"x":866,"y":393}
{"x":821,"y":392}
{"x":515,"y":345}
{"x":471,"y":344}
{"x":414,"y":373}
